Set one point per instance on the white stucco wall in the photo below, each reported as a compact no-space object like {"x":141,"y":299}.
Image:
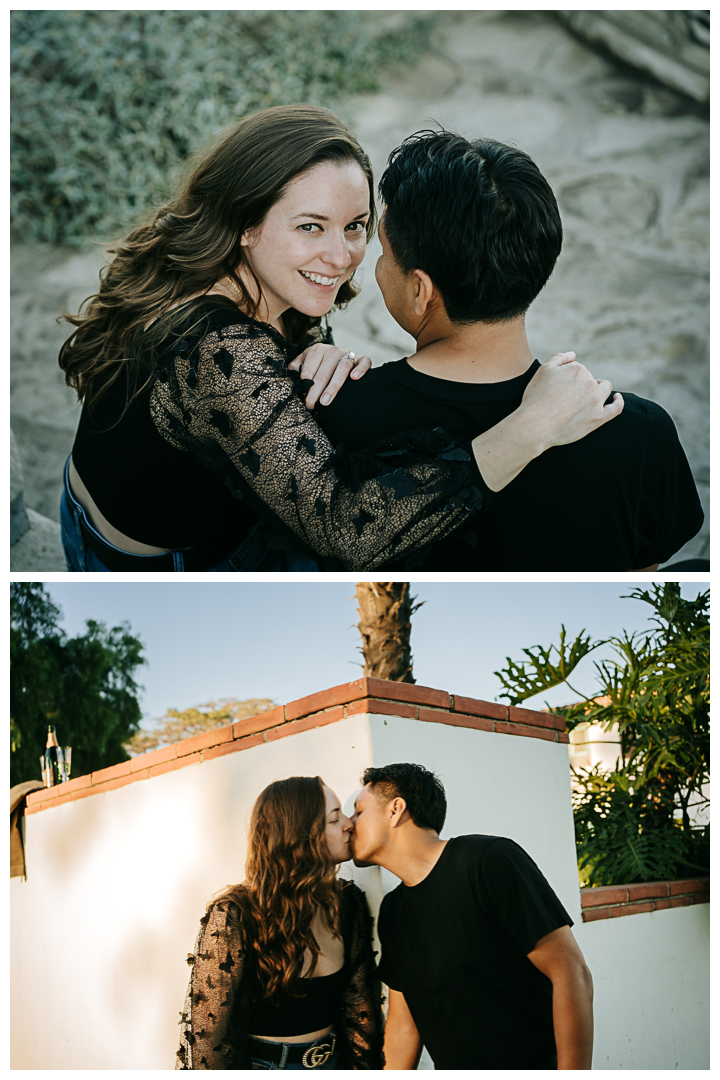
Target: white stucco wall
{"x":651,"y":973}
{"x":117,"y":882}
{"x":116,"y":885}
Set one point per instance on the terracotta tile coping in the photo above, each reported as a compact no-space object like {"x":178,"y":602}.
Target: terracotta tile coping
{"x":376,"y":696}
{"x":611,"y":901}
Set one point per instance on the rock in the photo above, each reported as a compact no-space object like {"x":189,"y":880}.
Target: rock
{"x":612,"y":201}
{"x":672,"y":46}
{"x":19,"y":521}
{"x":40,"y":548}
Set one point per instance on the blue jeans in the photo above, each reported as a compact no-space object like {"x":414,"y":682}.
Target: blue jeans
{"x":322,"y":1051}
{"x":259,"y":550}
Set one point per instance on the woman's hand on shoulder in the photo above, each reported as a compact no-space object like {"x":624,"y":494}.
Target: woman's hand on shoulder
{"x":328,"y":367}
{"x":565,"y":403}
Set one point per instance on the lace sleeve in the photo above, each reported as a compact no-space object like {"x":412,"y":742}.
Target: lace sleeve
{"x":362,"y":1016}
{"x":208,"y":1039}
{"x":229,"y":400}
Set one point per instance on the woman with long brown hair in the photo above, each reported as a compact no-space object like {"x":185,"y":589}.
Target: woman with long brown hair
{"x":283,"y":971}
{"x":195,"y":449}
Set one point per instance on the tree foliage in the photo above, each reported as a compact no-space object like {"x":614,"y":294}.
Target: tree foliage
{"x":106,"y":105}
{"x":84,"y":685}
{"x":637,"y":823}
{"x":176,"y":725}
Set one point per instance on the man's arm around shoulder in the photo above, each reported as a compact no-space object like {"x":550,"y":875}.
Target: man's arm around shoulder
{"x":402,"y":1039}
{"x":558,"y":956}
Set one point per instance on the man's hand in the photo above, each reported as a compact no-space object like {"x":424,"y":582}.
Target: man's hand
{"x":402,"y":1040}
{"x":558,"y":956}
{"x":328,"y":367}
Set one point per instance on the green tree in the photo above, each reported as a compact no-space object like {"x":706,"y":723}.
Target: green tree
{"x":638,"y":822}
{"x":176,"y":724}
{"x":84,"y":685}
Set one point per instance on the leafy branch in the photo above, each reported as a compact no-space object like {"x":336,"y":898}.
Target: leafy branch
{"x":540,"y":672}
{"x":639,"y":822}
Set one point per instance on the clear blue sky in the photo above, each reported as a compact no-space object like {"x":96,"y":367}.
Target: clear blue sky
{"x":283,"y":641}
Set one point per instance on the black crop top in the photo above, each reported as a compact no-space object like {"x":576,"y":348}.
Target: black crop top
{"x":299,"y":1016}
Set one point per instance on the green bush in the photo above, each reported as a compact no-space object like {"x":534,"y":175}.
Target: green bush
{"x":626,"y":830}
{"x":107,"y":104}
{"x":637,"y":823}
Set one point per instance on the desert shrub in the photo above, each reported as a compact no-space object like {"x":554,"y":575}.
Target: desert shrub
{"x":107,"y":104}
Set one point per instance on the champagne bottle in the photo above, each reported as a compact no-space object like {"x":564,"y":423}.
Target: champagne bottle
{"x":54,"y":761}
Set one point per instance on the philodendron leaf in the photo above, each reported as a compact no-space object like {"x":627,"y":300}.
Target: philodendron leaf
{"x":544,"y":668}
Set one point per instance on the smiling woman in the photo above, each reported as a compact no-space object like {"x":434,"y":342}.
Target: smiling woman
{"x":202,"y":354}
{"x":300,"y":257}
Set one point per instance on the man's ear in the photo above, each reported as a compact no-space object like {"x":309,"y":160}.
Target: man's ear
{"x":425,"y":291}
{"x":397,"y":808}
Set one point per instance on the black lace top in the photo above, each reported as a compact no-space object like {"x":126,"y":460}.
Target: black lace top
{"x":214,"y":1021}
{"x":223,"y":402}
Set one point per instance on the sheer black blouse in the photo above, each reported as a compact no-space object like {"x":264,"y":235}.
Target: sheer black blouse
{"x":214,"y":1021}
{"x":220,"y":438}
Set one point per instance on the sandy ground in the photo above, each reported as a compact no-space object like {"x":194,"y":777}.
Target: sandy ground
{"x":628,"y":161}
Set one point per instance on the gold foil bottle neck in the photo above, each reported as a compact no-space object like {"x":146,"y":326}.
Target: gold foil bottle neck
{"x":52,"y":737}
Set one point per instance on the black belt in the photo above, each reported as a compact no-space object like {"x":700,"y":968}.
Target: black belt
{"x":310,"y":1057}
{"x":200,"y":557}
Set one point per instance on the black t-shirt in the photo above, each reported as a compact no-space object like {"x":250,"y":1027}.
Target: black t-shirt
{"x":622,"y":498}
{"x":456,"y":946}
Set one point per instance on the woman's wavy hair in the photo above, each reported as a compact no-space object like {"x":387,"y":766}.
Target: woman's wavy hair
{"x":289,"y":875}
{"x":186,"y":246}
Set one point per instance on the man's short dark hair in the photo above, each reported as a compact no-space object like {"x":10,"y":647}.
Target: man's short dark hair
{"x":478,"y":217}
{"x":422,"y":791}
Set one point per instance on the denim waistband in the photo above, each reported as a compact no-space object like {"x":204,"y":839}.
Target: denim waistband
{"x":196,"y":558}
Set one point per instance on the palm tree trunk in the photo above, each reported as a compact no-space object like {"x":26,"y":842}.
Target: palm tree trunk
{"x":385,"y":609}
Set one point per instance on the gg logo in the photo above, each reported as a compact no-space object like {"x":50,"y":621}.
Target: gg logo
{"x":315,"y":1056}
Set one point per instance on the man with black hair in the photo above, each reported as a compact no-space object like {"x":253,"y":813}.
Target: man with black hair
{"x":470,"y":235}
{"x":477,"y":952}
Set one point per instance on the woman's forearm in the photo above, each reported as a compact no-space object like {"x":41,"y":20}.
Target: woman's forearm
{"x":239,"y":415}
{"x":504,"y":451}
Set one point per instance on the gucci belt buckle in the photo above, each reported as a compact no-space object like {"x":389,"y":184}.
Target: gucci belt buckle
{"x":315,"y":1056}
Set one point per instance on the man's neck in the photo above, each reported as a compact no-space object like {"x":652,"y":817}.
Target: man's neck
{"x":413,"y":861}
{"x":476,"y":353}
